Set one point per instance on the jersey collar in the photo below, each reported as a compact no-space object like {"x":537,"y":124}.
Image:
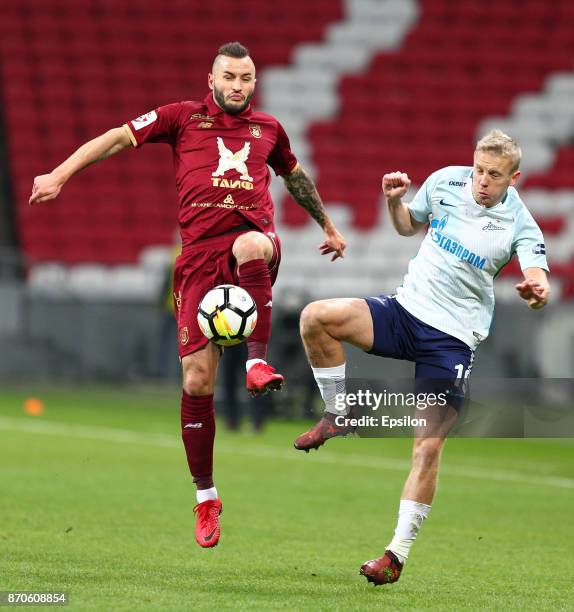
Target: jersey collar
{"x":213,"y":109}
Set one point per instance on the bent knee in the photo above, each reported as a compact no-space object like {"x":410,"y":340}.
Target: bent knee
{"x":311,"y":316}
{"x":319,"y":315}
{"x":251,"y":245}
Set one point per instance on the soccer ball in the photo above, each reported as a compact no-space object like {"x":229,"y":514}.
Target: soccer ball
{"x":227,"y":315}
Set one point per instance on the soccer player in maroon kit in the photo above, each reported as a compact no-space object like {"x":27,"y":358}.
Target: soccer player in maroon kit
{"x":221,"y":150}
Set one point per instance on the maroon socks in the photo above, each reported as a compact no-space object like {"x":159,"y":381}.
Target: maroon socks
{"x":197,"y":414}
{"x":254,"y":277}
{"x":198,"y":434}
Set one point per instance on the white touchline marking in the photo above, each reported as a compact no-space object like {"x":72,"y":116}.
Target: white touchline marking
{"x":90,"y":432}
{"x":108,"y":434}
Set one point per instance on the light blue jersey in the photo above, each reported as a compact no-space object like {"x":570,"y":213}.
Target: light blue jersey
{"x":449,"y":284}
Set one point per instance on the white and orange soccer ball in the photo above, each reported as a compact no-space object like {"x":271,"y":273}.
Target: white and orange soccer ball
{"x":227,"y":315}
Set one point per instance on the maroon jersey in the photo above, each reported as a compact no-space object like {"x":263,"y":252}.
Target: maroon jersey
{"x":220,"y":162}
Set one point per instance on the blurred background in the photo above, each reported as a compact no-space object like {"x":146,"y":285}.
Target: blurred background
{"x":362,"y":87}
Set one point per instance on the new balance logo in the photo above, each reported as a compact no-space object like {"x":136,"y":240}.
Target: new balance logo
{"x":492,"y":227}
{"x":193,"y":426}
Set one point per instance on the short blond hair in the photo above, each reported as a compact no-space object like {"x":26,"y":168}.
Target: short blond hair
{"x":499,"y":143}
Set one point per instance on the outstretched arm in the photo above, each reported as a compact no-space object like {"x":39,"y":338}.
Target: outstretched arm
{"x":535,"y":288}
{"x":395,"y":186}
{"x":301,"y":186}
{"x":48,"y":186}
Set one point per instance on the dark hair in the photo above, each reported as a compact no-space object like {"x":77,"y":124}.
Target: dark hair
{"x":233,"y":49}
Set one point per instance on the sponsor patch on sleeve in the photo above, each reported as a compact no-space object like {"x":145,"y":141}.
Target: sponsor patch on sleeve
{"x":144,"y":120}
{"x":539,"y":249}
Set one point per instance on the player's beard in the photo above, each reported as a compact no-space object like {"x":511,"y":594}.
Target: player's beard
{"x":232,"y":110}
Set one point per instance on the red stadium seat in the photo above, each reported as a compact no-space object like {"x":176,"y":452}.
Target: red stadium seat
{"x":560,"y":176}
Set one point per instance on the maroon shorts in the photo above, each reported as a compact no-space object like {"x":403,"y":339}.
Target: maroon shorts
{"x":201,"y":267}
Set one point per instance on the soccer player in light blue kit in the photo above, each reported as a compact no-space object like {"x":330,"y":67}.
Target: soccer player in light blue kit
{"x":440,"y":314}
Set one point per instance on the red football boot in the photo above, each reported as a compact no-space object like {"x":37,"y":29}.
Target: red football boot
{"x":261,"y":378}
{"x":318,"y":434}
{"x":384,"y":570}
{"x":207,"y":528}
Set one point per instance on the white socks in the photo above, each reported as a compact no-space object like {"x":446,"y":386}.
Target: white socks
{"x":331,"y":383}
{"x":205,"y":494}
{"x":411,"y":516}
{"x":251,"y":362}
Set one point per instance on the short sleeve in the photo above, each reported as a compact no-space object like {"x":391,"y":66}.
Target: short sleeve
{"x":421,"y":205}
{"x":281,"y":158}
{"x":159,"y":125}
{"x":528,"y":242}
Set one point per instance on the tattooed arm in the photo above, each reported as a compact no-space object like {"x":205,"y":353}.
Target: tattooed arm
{"x":301,"y":186}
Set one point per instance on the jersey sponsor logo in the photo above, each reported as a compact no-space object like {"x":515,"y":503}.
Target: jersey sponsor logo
{"x":224,"y":205}
{"x":539,"y":249}
{"x":143,"y":120}
{"x":493,"y":227}
{"x":232,"y":161}
{"x":456,"y":184}
{"x":443,"y":203}
{"x":255,"y":130}
{"x":229,"y":184}
{"x":452,"y":246}
{"x":229,"y":200}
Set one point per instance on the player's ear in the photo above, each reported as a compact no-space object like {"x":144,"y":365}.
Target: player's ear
{"x":210,"y":80}
{"x":515,"y":177}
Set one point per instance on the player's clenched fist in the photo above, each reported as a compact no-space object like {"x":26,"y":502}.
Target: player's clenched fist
{"x":396,"y":184}
{"x":45,"y":187}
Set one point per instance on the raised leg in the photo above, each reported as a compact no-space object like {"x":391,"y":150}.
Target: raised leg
{"x":325,"y":325}
{"x":253,"y":252}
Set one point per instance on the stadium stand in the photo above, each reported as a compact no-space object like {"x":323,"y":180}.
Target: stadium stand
{"x":306,"y":91}
{"x":462,"y":69}
{"x":432,"y":92}
{"x":72,"y":70}
{"x":362,"y":87}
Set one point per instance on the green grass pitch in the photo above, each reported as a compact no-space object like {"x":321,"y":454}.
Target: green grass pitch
{"x":96,"y":500}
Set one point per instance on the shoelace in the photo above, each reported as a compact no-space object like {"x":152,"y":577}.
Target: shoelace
{"x":264,"y":368}
{"x":207,"y":512}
